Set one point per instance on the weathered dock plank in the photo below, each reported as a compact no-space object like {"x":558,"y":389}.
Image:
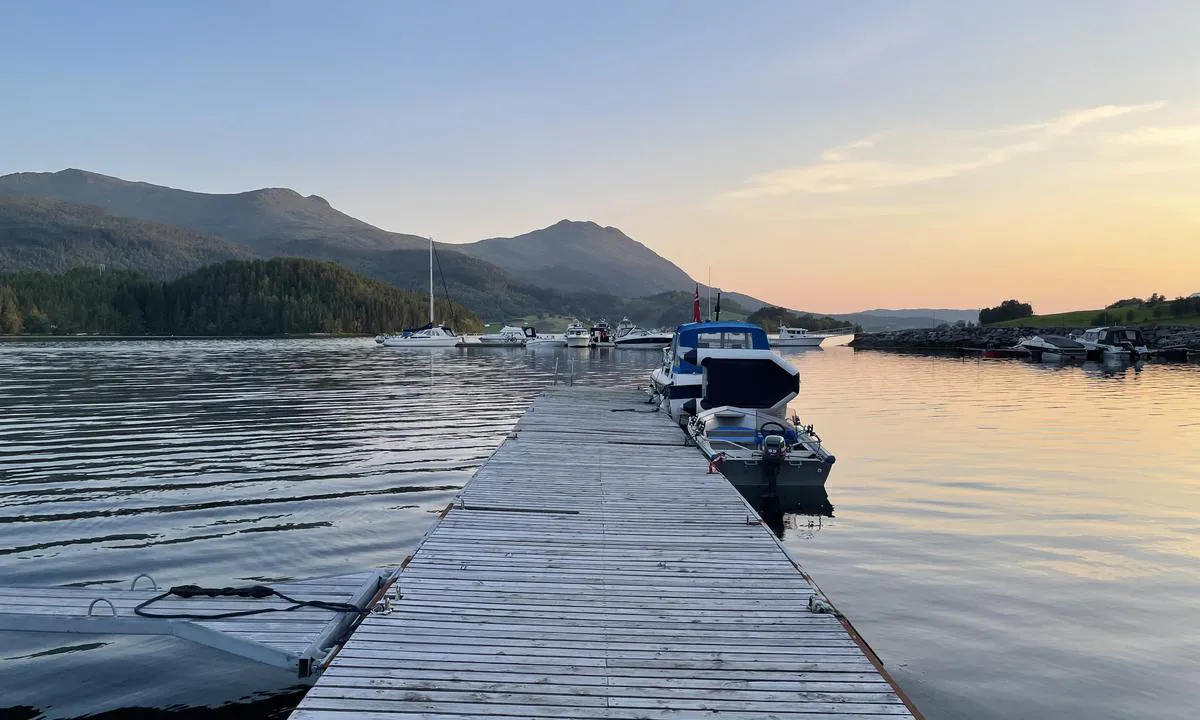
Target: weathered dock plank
{"x":593,"y":568}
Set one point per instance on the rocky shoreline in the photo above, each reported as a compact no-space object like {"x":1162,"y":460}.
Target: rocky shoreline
{"x":949,"y":338}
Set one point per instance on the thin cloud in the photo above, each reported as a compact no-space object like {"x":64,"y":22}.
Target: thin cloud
{"x":843,"y":170}
{"x":1169,"y":136}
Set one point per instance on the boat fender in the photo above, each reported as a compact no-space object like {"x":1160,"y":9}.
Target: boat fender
{"x":714,"y":465}
{"x":830,"y":459}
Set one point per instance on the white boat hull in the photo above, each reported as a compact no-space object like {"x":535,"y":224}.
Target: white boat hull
{"x":645,"y":342}
{"x":420,"y":342}
{"x":578,"y":342}
{"x":810,"y":341}
{"x":815,"y":340}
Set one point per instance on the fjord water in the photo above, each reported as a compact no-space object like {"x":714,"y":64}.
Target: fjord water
{"x":1014,"y":540}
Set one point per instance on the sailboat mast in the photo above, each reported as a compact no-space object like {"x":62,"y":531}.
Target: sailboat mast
{"x":431,"y":280}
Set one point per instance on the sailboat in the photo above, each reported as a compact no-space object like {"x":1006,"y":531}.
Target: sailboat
{"x":432,"y":335}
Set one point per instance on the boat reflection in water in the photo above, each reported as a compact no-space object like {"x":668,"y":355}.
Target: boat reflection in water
{"x":800,"y":510}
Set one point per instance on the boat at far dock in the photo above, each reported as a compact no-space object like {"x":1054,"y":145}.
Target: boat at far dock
{"x":1052,"y":348}
{"x":507,"y":336}
{"x":631,"y":336}
{"x":1113,"y":343}
{"x":578,"y":335}
{"x":433,"y":334}
{"x":800,"y":337}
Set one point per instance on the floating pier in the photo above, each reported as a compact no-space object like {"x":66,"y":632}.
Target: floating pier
{"x":271,"y":629}
{"x":593,"y":568}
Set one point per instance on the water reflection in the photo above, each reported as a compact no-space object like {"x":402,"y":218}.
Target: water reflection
{"x":800,"y":510}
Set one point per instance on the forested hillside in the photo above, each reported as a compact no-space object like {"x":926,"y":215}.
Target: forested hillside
{"x":261,"y":297}
{"x":53,"y":236}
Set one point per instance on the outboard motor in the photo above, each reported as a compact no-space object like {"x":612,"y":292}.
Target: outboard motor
{"x":774,"y":454}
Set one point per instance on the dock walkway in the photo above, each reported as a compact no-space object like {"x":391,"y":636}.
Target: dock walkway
{"x":593,"y":568}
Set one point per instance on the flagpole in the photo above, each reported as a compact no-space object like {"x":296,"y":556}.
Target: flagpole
{"x":710,"y":292}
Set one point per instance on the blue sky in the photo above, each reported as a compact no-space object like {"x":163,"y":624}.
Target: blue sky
{"x":690,"y":125}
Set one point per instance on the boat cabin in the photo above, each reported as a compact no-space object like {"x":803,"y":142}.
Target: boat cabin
{"x":1115,"y":336}
{"x":429,"y":330}
{"x":713,"y":336}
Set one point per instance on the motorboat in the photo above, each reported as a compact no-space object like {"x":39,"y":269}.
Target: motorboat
{"x":761,"y":454}
{"x":1052,"y":348}
{"x":546,"y":341}
{"x":1113,"y":343}
{"x":724,"y":385}
{"x":800,"y":337}
{"x":431,"y":335}
{"x":578,"y":335}
{"x":508,"y":336}
{"x":602,"y":334}
{"x":629,"y":335}
{"x":737,"y":354}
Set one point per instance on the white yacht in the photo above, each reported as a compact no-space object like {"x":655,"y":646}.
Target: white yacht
{"x":432,"y":335}
{"x":629,"y":335}
{"x":546,"y":341}
{"x":800,"y":337}
{"x":508,"y":336}
{"x":1113,"y":343}
{"x":578,"y":335}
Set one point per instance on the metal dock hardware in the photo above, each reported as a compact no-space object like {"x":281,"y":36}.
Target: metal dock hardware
{"x":595,"y":569}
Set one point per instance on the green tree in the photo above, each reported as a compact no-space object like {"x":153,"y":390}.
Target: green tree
{"x":1007,"y":310}
{"x":10,"y":312}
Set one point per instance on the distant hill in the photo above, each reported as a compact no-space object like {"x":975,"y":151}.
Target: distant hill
{"x":582,"y":256}
{"x":260,"y":297}
{"x":273,"y":221}
{"x":571,"y":267}
{"x":54,"y":236}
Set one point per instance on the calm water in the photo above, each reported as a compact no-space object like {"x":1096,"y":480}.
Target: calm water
{"x":1015,"y":541}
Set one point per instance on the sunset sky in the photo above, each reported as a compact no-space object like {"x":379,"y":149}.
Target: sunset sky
{"x":830,"y":156}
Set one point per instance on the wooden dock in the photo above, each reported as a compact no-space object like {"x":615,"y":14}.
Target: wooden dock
{"x":593,"y":568}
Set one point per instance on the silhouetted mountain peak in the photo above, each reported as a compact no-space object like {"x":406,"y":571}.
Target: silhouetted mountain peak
{"x":273,"y":220}
{"x":582,"y":255}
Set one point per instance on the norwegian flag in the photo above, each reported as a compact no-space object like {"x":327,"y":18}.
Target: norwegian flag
{"x":696,"y":305}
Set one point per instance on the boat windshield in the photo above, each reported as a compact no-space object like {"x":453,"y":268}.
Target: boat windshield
{"x":725,"y":340}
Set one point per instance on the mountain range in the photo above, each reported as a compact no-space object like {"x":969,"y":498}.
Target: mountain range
{"x":71,"y":218}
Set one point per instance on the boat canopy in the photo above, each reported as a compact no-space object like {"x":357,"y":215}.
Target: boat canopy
{"x":728,"y":335}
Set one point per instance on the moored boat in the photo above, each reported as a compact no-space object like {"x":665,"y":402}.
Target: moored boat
{"x":723,"y":383}
{"x":1113,"y":343}
{"x":1052,"y":348}
{"x":546,"y":341}
{"x":602,"y":334}
{"x":800,"y":337}
{"x":578,"y":335}
{"x":431,"y":335}
{"x":631,"y":336}
{"x":507,"y":336}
